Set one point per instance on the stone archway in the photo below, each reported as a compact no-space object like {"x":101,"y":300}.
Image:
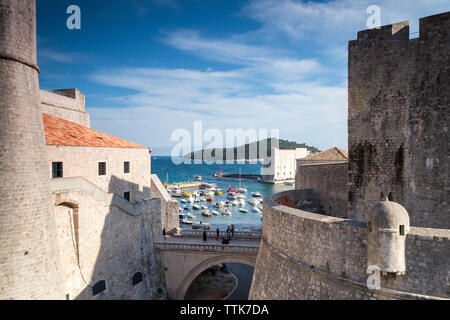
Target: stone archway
{"x":195,"y":272}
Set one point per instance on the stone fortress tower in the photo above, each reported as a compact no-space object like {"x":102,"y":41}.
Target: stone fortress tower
{"x":312,"y":246}
{"x":29,"y":263}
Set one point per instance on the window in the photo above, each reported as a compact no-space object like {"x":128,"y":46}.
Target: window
{"x":402,"y":230}
{"x":57,"y":170}
{"x":137,"y":278}
{"x":126,"y":195}
{"x":102,"y":168}
{"x":99,"y":287}
{"x":369,"y":226}
{"x":126,"y":167}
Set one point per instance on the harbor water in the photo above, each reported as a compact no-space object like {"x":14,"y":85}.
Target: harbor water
{"x":165,"y":169}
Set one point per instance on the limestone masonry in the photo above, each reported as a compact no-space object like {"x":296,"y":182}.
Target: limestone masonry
{"x":80,"y":211}
{"x":397,"y":248}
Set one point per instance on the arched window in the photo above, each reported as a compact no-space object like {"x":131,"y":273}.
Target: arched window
{"x":137,"y":278}
{"x":99,"y":287}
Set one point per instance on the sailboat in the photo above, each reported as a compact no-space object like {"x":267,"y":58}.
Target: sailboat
{"x":240,"y":189}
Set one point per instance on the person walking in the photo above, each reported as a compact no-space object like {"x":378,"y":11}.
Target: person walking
{"x":232,"y":230}
{"x":205,"y":237}
{"x":217,"y":234}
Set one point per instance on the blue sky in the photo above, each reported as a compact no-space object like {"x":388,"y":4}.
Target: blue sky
{"x":148,"y":67}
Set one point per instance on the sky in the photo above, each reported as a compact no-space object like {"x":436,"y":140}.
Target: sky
{"x":150,"y":67}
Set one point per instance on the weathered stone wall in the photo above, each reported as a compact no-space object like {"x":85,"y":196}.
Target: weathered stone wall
{"x":397,"y":121}
{"x":29,"y":263}
{"x":169,"y":212}
{"x":310,"y":256}
{"x":103,"y":237}
{"x":68,"y":104}
{"x":330,"y":180}
{"x":83,"y":162}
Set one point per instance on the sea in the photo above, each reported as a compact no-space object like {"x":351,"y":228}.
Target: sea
{"x":168,"y":171}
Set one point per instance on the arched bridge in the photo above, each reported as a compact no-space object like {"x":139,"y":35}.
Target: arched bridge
{"x":185,"y":256}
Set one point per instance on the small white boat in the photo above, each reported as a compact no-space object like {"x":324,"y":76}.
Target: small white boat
{"x":198,"y":178}
{"x":240,"y":196}
{"x":196,"y":207}
{"x":226,"y":212}
{"x":243,"y":210}
{"x":254,"y":209}
{"x":201,"y":225}
{"x":179,"y":209}
{"x":186,"y":221}
{"x":242,"y":202}
{"x":241,"y":190}
{"x":231,"y":195}
{"x":183,"y":200}
{"x":181,"y":217}
{"x":204,"y":207}
{"x":253,"y":201}
{"x":191,"y":200}
{"x":209,"y":193}
{"x":216,"y":213}
{"x":235,"y":203}
{"x":206,"y":213}
{"x":220,"y":204}
{"x":192,"y":216}
{"x":256,"y":194}
{"x":203,"y":199}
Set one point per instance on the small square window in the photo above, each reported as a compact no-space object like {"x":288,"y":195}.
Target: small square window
{"x":126,"y":195}
{"x":102,"y":168}
{"x":126,"y":167}
{"x":57,"y":170}
{"x":402,"y":230}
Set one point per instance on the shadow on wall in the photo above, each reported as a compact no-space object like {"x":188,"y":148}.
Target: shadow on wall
{"x":107,"y":248}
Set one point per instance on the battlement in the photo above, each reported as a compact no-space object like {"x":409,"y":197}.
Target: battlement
{"x":429,"y":28}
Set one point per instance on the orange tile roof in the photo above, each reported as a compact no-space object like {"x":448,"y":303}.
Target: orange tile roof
{"x":61,"y":132}
{"x":333,"y":154}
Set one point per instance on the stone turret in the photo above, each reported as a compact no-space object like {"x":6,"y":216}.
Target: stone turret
{"x":29,"y":262}
{"x":388,"y":225}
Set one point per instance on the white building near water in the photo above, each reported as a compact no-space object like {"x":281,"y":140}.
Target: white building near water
{"x":281,"y":165}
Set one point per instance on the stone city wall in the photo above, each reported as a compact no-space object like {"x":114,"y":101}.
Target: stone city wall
{"x":103,"y":237}
{"x":169,"y":213}
{"x":310,"y":256}
{"x":330,"y":181}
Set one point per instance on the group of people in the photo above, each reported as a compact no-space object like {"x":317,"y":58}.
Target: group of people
{"x":228,"y":235}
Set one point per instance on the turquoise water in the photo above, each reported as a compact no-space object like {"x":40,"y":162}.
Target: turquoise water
{"x":186,"y":172}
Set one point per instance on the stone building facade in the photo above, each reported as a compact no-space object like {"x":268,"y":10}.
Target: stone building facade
{"x":281,"y":165}
{"x":398,"y":149}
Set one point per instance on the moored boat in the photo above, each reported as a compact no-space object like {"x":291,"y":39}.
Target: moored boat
{"x":201,"y":225}
{"x":206,"y":213}
{"x":243,"y":210}
{"x":256,"y":194}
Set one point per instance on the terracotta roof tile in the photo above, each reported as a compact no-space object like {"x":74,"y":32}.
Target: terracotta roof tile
{"x":61,"y":132}
{"x":333,"y":154}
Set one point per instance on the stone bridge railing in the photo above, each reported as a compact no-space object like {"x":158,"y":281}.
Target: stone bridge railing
{"x":249,"y":235}
{"x":208,"y":247}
